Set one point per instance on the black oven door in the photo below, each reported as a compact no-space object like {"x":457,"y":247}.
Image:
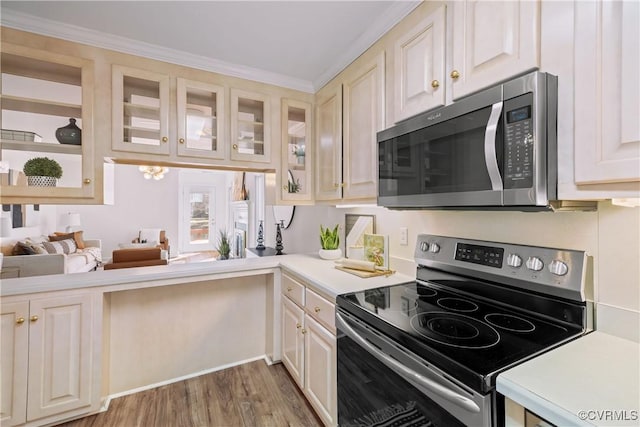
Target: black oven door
{"x":452,"y":157}
{"x":381,"y":384}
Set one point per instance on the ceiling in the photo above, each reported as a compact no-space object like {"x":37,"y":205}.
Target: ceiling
{"x":297,"y":44}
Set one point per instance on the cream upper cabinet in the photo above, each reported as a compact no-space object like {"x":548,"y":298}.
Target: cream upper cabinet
{"x":200,"y":119}
{"x":607,"y":92}
{"x":492,"y":41}
{"x":297,"y":151}
{"x":328,"y":164}
{"x":41,"y":92}
{"x":140,"y":111}
{"x":250,"y":126}
{"x":363,"y":105}
{"x":419,"y":65}
{"x":51,"y":346}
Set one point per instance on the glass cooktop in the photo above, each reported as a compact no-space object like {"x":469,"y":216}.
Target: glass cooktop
{"x":468,"y":337}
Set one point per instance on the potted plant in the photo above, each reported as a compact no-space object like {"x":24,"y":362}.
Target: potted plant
{"x":330,"y":242}
{"x":42,"y":172}
{"x":224,"y":245}
{"x":298,"y":150}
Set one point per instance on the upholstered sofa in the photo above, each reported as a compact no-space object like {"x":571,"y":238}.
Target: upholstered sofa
{"x":81,"y":261}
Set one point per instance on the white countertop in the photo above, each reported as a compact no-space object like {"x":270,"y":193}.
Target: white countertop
{"x":591,"y":381}
{"x":320,"y":273}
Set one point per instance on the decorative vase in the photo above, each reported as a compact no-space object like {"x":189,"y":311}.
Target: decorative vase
{"x":41,"y":181}
{"x":331,"y":254}
{"x":301,"y":160}
{"x":69,"y":134}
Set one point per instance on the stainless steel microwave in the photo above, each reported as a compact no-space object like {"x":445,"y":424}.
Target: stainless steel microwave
{"x":492,"y":150}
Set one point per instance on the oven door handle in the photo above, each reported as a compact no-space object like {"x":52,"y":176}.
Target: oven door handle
{"x":490,"y":157}
{"x":409,"y":374}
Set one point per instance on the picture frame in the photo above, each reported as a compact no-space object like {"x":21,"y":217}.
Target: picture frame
{"x":355,"y":227}
{"x":376,"y":249}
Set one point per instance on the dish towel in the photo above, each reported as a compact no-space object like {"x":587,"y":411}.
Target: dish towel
{"x":395,"y":415}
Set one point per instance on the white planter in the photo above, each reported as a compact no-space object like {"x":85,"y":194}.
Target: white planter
{"x":41,"y":181}
{"x":330,"y":253}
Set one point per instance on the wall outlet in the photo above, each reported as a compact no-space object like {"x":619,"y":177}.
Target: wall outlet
{"x":404,"y":236}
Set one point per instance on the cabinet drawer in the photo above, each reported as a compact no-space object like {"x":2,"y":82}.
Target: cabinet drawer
{"x":293,"y":290}
{"x":321,"y":310}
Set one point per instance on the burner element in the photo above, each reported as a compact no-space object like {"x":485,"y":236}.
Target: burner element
{"x":509,"y":322}
{"x":420,"y":291}
{"x":455,"y":330}
{"x":457,"y":304}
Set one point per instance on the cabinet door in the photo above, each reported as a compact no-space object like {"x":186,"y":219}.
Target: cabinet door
{"x":329,"y":143}
{"x":419,"y":67}
{"x":200,"y":109}
{"x":297,"y":151}
{"x":14,"y":353}
{"x":607,"y":90}
{"x":320,"y":367}
{"x":363,"y":118}
{"x":140,"y":111}
{"x":493,"y":41}
{"x":292,"y":340}
{"x":43,"y":91}
{"x":250,"y":126}
{"x":60,"y":355}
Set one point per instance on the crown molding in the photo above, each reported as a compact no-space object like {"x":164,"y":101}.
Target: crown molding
{"x":394,"y":14}
{"x":73,"y":33}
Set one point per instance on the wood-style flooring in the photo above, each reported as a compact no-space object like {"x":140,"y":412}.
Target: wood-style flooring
{"x":253,"y":394}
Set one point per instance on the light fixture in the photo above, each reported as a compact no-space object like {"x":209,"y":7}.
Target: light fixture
{"x":155,"y":172}
{"x":73,"y":222}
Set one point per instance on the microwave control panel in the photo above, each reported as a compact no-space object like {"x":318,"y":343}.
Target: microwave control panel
{"x":519,"y":142}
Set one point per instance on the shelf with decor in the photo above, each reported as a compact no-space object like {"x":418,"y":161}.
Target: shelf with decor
{"x":295,"y":178}
{"x":47,"y":111}
{"x":250,"y":121}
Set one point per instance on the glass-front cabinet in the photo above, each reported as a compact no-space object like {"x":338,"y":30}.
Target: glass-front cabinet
{"x":250,"y":126}
{"x":140,"y":111}
{"x":47,"y":145}
{"x":200,"y":108}
{"x":297,"y":151}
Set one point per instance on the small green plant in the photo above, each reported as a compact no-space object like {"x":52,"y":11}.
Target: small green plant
{"x":329,"y":239}
{"x":42,"y":166}
{"x":224,"y":244}
{"x":294,"y":187}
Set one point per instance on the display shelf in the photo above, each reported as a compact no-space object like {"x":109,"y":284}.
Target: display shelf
{"x":142,"y":132}
{"x":141,"y":111}
{"x":42,"y":147}
{"x":38,"y":106}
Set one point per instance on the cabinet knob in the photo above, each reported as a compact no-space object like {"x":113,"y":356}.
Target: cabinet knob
{"x":165,"y":139}
{"x":455,"y":74}
{"x":338,"y":185}
{"x":181,"y":140}
{"x":235,"y":146}
{"x":435,"y":84}
{"x":34,"y":318}
{"x":317,"y":309}
{"x":289,"y":289}
{"x":20,"y":320}
{"x":87,"y":181}
{"x":304,"y":331}
{"x":285,"y":187}
{"x":298,"y":325}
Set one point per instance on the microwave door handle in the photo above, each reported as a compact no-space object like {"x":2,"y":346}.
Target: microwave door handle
{"x":410,"y":374}
{"x":490,"y":156}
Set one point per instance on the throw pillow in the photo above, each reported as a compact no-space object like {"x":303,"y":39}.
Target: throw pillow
{"x":67,"y":246}
{"x":76,"y":236}
{"x":22,"y":248}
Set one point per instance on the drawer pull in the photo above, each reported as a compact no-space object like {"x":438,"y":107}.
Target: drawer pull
{"x":304,"y":331}
{"x":317,"y":309}
{"x":298,"y":326}
{"x":20,"y":320}
{"x":289,"y":289}
{"x":34,"y":318}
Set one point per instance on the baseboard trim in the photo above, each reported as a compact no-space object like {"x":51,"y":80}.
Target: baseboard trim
{"x":108,"y":399}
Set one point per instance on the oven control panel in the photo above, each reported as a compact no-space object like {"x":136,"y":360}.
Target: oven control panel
{"x":560,"y":272}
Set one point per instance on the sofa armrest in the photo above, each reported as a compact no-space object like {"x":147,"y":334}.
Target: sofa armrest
{"x":36,"y":265}
{"x":93,"y":243}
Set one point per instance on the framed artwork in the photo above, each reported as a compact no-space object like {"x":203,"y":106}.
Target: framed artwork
{"x":376,"y":249}
{"x":355,"y":227}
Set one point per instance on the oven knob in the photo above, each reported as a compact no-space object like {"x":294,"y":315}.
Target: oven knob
{"x":424,"y":246}
{"x":514,"y":260}
{"x":434,"y":247}
{"x":534,"y":263}
{"x":558,"y":267}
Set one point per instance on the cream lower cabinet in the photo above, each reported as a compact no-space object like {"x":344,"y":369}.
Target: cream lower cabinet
{"x":50,"y":356}
{"x":309,"y":346}
{"x":515,"y":415}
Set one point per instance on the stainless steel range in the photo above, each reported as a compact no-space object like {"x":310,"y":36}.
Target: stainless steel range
{"x":427,"y":353}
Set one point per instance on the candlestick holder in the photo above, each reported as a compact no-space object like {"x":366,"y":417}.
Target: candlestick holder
{"x":260,"y":245}
{"x":279,"y":246}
